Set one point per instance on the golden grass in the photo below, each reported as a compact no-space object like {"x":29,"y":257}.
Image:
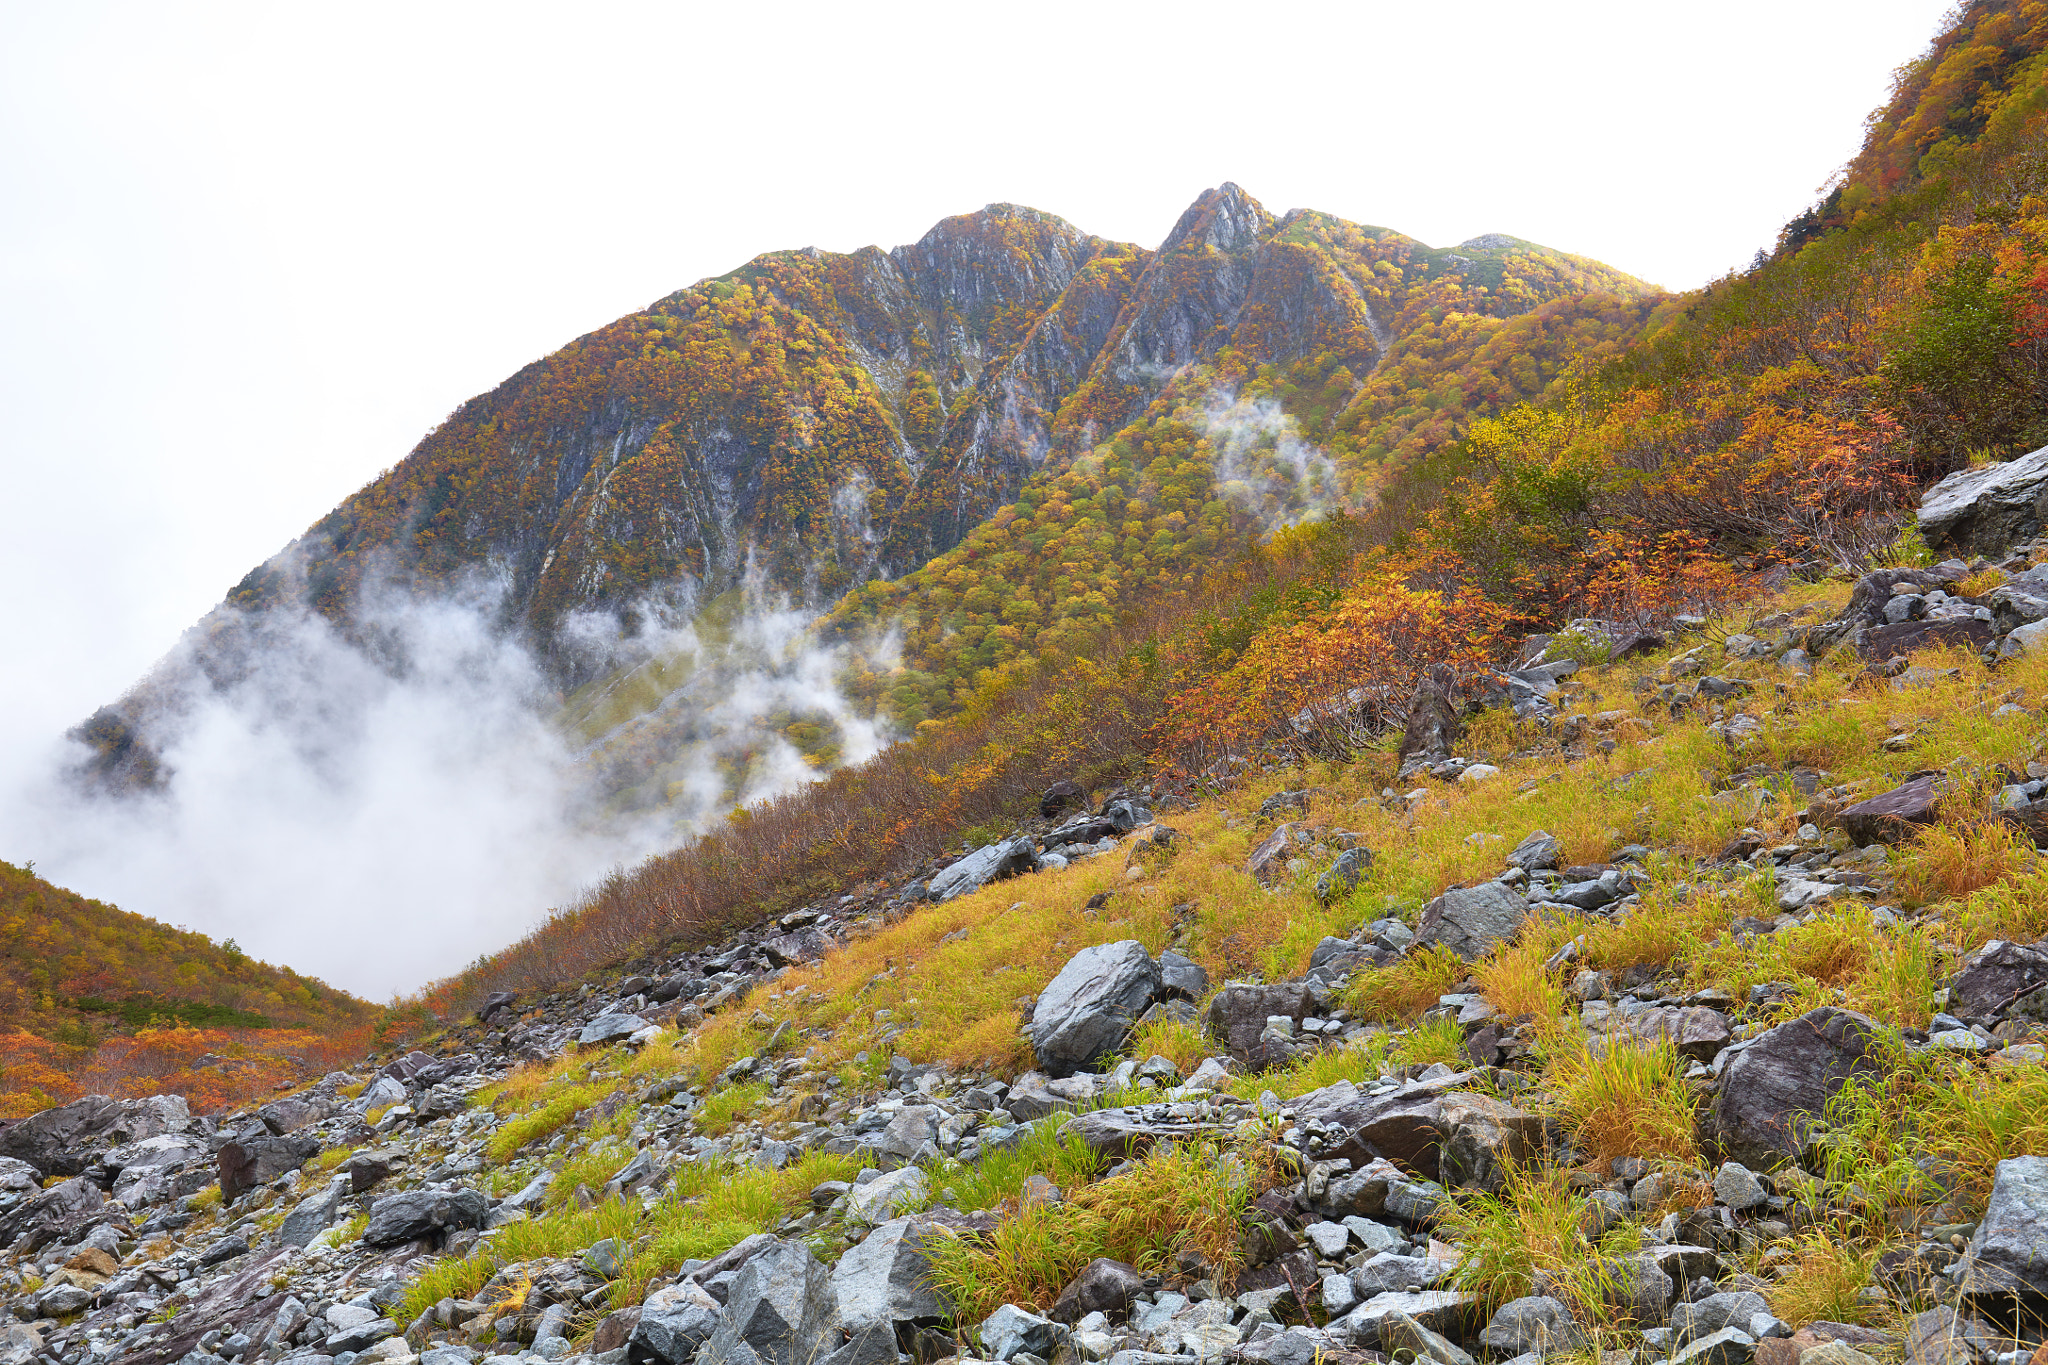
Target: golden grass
{"x":1825,"y":1280}
{"x":1185,"y":1045}
{"x":1948,"y":861}
{"x":2015,"y":910}
{"x":1628,"y":1099}
{"x":1400,"y":992}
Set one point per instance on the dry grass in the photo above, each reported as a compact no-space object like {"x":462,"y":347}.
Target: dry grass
{"x":1626,"y":1100}
{"x":1185,"y":1045}
{"x":1515,"y":982}
{"x":1898,"y":986}
{"x":1827,"y":1275}
{"x":1401,"y":992}
{"x":2015,"y":910}
{"x":1955,"y":860}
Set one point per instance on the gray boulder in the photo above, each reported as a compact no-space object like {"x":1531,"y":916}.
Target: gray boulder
{"x":1988,"y":508}
{"x":674,"y":1321}
{"x":399,"y":1218}
{"x":984,"y":865}
{"x":1103,"y":1286}
{"x":1996,"y":976}
{"x":249,"y":1162}
{"x":1704,"y":1317}
{"x":2008,"y":1256}
{"x":1540,"y":850}
{"x":1010,"y":1331}
{"x":1181,"y":978}
{"x":1088,"y":1009}
{"x":1471,"y":920}
{"x":51,"y":1216}
{"x":781,"y":1310}
{"x":1239,"y":1012}
{"x":67,"y":1139}
{"x":312,"y":1215}
{"x":1729,"y":1346}
{"x":885,"y":1280}
{"x":1344,"y":874}
{"x":610,"y":1028}
{"x":1537,"y":1324}
{"x":1774,"y":1090}
{"x":1891,"y":818}
{"x":1738,"y":1188}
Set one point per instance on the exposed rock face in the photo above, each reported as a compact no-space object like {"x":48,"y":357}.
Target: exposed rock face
{"x":1433,"y":726}
{"x":1774,"y":1090}
{"x":1985,"y":509}
{"x":1088,"y":1009}
{"x":248,"y":1162}
{"x":886,"y":1279}
{"x":1239,"y":1012}
{"x":782,"y":1310}
{"x":398,"y":1218}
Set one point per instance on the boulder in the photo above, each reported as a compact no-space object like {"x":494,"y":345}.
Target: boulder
{"x":1697,"y":1318}
{"x":65,"y":1140}
{"x":290,"y":1114}
{"x":2008,"y":1256}
{"x":1540,"y":850}
{"x":609,"y":1028}
{"x":885,"y":1280}
{"x":1087,"y":1010}
{"x":1737,"y":1187}
{"x":781,"y":1308}
{"x":1985,"y":509}
{"x":1891,"y":817}
{"x":1482,"y":1138}
{"x":1058,"y":797}
{"x":1996,"y":976}
{"x":1729,"y":1346}
{"x":1443,"y":1311}
{"x":1774,"y":1089}
{"x":1471,"y":920}
{"x":1966,"y":632}
{"x":52,"y":1216}
{"x":672,"y":1323}
{"x":312,"y":1215}
{"x":1103,"y":1286}
{"x":1697,"y":1031}
{"x":1181,"y":978}
{"x":1432,"y":725}
{"x":1537,"y":1324}
{"x":248,"y":1162}
{"x":1344,"y":874}
{"x":1137,"y":1129}
{"x":1267,"y":863}
{"x":1010,"y":1331}
{"x":886,"y":1195}
{"x":2021,"y":600}
{"x":1238,"y":1015}
{"x":1405,"y":1125}
{"x":406,"y":1217}
{"x":992,"y":863}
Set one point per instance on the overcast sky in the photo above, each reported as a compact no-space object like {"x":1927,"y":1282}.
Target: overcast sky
{"x":249,"y":254}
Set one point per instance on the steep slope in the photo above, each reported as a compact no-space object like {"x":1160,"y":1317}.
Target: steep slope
{"x":88,"y":990}
{"x":813,"y":422}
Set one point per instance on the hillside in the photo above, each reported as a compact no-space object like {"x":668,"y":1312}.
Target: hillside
{"x":94,"y":997}
{"x":814,"y":422}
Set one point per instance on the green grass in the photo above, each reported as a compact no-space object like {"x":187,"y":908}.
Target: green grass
{"x":1626,"y":1099}
{"x":1433,"y":1040}
{"x":554,"y":1112}
{"x":998,"y":1178}
{"x":563,"y":1233}
{"x":722,"y":1110}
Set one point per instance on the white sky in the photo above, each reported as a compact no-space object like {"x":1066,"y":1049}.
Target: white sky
{"x":249,"y":254}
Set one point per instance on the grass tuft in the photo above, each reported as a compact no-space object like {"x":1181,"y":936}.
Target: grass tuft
{"x":1627,"y":1099}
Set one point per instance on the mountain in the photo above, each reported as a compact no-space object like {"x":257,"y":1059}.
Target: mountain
{"x":92,"y":994}
{"x":813,"y":422}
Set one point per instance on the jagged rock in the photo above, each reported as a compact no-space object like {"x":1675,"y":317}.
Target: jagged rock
{"x":607,"y":1029}
{"x":1010,"y":1331}
{"x":1135,"y":1130}
{"x":1344,"y":874}
{"x":1087,"y":1010}
{"x":290,"y":1114}
{"x":1535,"y":1324}
{"x":1729,"y":1346}
{"x":880,"y":1199}
{"x":1389,"y":1273}
{"x":383,"y":1091}
{"x":1482,"y":1138}
{"x":1432,"y":718}
{"x":65,"y":1140}
{"x":1774,"y":1090}
{"x":1443,"y":1311}
{"x":1699,"y":1318}
{"x":1698,"y":1032}
{"x":781,"y":1309}
{"x":1239,"y":1012}
{"x":1103,"y":1286}
{"x":1884,"y":642}
{"x":1294,"y":1346}
{"x":1995,"y":976}
{"x":495,"y":1002}
{"x":405,"y":1217}
{"x":361,"y":1336}
{"x":1181,"y":978}
{"x":992,"y":863}
{"x":2008,"y":1256}
{"x":1740,"y":1190}
{"x":1891,"y":817}
{"x":911,"y":1134}
{"x":1636,"y":1289}
{"x":1983,"y":510}
{"x":1267,"y":863}
{"x":1942,"y":1336}
{"x":885,"y":1279}
{"x":1058,"y":797}
{"x":312,"y":1215}
{"x":1537,"y":852}
{"x":249,"y":1162}
{"x":365,"y":1169}
{"x":42,"y":1220}
{"x":1404,"y":1125}
{"x":1471,"y":920}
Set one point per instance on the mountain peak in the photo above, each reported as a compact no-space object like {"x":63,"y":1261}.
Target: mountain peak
{"x":1224,"y":218}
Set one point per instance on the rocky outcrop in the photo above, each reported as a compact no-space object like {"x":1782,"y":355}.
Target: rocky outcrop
{"x":1774,"y":1091}
{"x":1088,"y":1009}
{"x":1984,"y":509}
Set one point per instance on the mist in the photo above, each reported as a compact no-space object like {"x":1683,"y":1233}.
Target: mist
{"x":1263,"y":466}
{"x":377,"y":808}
